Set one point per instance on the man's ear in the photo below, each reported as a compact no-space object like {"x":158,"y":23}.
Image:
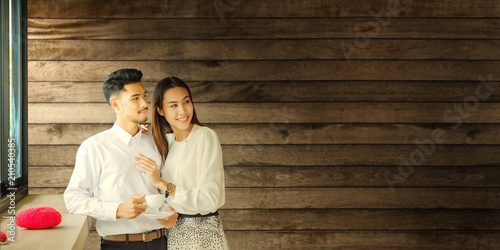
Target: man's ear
{"x":160,"y":111}
{"x":114,"y":103}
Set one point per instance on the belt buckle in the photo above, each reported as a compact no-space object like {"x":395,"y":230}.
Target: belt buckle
{"x":144,"y":238}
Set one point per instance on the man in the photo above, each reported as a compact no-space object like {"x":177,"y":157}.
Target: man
{"x":105,"y":168}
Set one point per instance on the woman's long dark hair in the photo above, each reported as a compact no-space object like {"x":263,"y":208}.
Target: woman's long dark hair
{"x":159,"y":122}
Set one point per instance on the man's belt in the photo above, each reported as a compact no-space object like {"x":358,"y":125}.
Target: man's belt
{"x":145,"y":237}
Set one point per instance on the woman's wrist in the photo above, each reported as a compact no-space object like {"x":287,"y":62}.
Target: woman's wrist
{"x":168,"y":188}
{"x":162,"y":186}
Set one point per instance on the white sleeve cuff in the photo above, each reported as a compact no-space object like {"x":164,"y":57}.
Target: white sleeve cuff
{"x":110,"y":209}
{"x":174,"y":200}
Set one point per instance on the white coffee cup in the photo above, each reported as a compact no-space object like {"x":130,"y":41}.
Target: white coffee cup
{"x":155,"y":200}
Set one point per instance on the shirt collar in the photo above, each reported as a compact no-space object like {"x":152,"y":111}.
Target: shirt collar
{"x":123,"y":135}
{"x":195,"y":127}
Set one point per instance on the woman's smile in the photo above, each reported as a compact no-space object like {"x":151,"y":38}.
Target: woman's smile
{"x":183,"y":119}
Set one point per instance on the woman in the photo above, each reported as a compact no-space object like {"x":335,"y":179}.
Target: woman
{"x":193,"y":174}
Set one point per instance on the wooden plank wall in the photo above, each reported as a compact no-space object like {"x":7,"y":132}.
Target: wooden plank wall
{"x":352,"y":124}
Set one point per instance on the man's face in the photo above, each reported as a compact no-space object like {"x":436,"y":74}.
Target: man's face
{"x":132,"y":103}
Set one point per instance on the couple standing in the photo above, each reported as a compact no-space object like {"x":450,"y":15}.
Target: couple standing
{"x":115,"y":169}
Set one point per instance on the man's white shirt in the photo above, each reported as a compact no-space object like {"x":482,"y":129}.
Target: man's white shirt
{"x":105,"y":167}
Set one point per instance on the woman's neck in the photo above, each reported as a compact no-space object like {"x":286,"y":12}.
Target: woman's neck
{"x":181,"y":135}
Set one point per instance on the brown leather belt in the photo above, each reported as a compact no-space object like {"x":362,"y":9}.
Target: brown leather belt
{"x":145,"y":237}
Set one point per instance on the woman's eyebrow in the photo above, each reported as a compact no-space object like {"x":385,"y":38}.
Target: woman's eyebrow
{"x":176,"y":101}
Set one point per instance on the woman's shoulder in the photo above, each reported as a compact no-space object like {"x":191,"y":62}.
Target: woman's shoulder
{"x":203,"y":133}
{"x":202,"y":129}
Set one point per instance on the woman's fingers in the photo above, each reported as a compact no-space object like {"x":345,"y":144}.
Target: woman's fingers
{"x":149,"y":167}
{"x":146,"y":170}
{"x":146,"y":165}
{"x":144,"y":129}
{"x":146,"y":159}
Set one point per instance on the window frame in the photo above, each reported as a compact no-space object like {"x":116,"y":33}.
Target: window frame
{"x":10,"y":194}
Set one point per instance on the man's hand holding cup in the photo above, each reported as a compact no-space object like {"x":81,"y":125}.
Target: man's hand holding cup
{"x":132,"y":208}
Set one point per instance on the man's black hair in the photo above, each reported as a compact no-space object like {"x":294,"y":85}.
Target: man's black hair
{"x":116,"y":81}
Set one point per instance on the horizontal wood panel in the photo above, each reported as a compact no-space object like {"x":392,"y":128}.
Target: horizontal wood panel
{"x":327,"y":176}
{"x":317,"y":155}
{"x":341,"y":219}
{"x":278,"y":113}
{"x":321,"y":109}
{"x":355,"y":176}
{"x":297,"y":198}
{"x":350,"y":240}
{"x":280,"y":133}
{"x":359,"y":155}
{"x":42,"y":177}
{"x":261,"y":28}
{"x":270,"y":70}
{"x":261,"y":8}
{"x":284,"y":91}
{"x":356,"y":198}
{"x":362,"y":240}
{"x":358,"y":219}
{"x":104,"y":50}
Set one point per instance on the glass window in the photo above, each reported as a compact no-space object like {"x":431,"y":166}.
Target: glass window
{"x":13,"y":100}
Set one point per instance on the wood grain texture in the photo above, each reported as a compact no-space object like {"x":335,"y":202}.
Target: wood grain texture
{"x":380,"y":198}
{"x":279,"y":113}
{"x":280,"y":133}
{"x":351,"y":198}
{"x":237,"y":9}
{"x":306,"y":155}
{"x":316,"y":155}
{"x":43,"y":177}
{"x":361,"y":240}
{"x":325,"y":111}
{"x":46,"y":190}
{"x":357,"y":176}
{"x":284,"y":91}
{"x":326,"y":176}
{"x":357,"y":219}
{"x":340,"y":219}
{"x":300,"y":49}
{"x":303,"y":70}
{"x":263,"y":28}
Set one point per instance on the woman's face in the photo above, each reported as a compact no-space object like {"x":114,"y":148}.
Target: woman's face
{"x":177,"y":108}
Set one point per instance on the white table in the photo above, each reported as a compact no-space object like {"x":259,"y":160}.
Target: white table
{"x":71,"y":233}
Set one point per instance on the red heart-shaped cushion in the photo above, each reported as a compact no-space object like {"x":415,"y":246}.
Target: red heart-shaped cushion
{"x":38,"y":218}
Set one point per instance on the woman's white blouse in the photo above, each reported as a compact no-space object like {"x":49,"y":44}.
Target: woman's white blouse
{"x":195,"y":167}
